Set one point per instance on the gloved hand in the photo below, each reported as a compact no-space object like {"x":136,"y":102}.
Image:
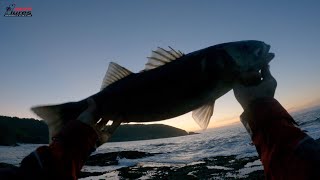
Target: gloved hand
{"x":89,"y":116}
{"x":246,"y":94}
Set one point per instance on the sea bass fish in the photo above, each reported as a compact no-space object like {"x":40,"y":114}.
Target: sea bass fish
{"x":171,"y":84}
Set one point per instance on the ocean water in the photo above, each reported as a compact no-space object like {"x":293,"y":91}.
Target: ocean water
{"x":180,"y":151}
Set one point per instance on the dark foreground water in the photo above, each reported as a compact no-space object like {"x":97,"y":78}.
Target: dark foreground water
{"x":222,"y":152}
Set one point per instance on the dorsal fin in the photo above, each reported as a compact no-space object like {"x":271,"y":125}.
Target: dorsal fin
{"x":161,"y":56}
{"x":177,"y":53}
{"x":114,"y":73}
{"x":203,"y":114}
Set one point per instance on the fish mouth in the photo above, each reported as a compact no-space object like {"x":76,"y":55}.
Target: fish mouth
{"x":267,"y":55}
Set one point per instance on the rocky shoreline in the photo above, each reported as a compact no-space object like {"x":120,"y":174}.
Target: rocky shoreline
{"x":220,"y":167}
{"x":226,"y":167}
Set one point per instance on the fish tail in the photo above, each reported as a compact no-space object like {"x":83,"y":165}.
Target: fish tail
{"x":56,"y":116}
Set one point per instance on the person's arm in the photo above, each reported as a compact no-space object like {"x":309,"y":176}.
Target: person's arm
{"x":286,"y":152}
{"x":66,"y":154}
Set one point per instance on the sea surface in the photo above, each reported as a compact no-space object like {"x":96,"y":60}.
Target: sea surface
{"x":179,"y":151}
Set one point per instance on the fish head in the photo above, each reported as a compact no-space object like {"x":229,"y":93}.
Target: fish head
{"x":249,"y":55}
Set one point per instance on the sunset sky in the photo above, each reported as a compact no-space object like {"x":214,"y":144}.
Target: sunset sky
{"x":62,"y":52}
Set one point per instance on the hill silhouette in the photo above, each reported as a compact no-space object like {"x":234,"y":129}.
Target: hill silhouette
{"x":15,"y":130}
{"x":132,"y":132}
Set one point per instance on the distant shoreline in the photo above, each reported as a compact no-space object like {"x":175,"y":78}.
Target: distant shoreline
{"x":14,"y":130}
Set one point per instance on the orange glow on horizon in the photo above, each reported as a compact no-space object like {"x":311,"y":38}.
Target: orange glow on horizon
{"x":185,"y":121}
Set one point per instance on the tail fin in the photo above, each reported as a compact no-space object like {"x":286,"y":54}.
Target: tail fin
{"x":56,"y":116}
{"x":51,"y":115}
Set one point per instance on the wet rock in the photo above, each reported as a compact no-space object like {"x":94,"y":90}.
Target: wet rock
{"x":88,"y":174}
{"x":107,"y":159}
{"x":134,"y":154}
{"x":221,"y":167}
{"x":6,"y":165}
{"x":128,"y":173}
{"x":256,"y":175}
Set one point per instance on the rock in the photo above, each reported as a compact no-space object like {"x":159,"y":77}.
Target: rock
{"x":134,"y":154}
{"x":195,"y":171}
{"x":256,"y":175}
{"x":6,"y":165}
{"x":88,"y":174}
{"x":107,"y":159}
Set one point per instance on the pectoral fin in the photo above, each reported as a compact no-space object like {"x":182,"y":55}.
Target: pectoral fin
{"x":203,"y":114}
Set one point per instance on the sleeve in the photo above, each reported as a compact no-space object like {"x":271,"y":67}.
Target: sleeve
{"x":279,"y":143}
{"x":64,"y":157}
